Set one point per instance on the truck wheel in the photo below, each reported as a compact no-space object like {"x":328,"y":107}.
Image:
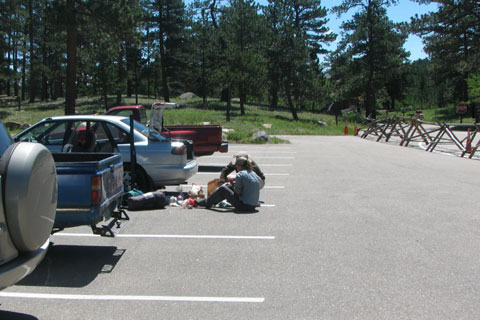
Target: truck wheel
{"x":142,"y":180}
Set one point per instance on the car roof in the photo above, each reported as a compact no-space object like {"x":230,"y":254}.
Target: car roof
{"x":87,"y":117}
{"x":138,"y":106}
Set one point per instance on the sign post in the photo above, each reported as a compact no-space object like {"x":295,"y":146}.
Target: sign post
{"x":461,"y":110}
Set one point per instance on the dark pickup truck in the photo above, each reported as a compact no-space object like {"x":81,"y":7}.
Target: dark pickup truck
{"x":206,"y":139}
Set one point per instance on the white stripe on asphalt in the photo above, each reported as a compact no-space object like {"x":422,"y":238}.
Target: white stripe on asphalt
{"x":127,"y":298}
{"x":169,"y":236}
{"x":244,"y":147}
{"x":266,"y":174}
{"x":263,"y":165}
{"x":256,"y":157}
{"x":174,"y":189}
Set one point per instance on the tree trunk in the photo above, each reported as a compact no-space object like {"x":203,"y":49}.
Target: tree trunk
{"x":290,"y":102}
{"x":274,"y":94}
{"x":120,"y":76}
{"x":15,"y":61}
{"x":229,"y":103}
{"x":70,"y":90}
{"x":9,"y":50}
{"x":242,"y":95}
{"x":163,"y":59}
{"x":32,"y":53}
{"x":44,"y":92}
{"x":24,"y":70}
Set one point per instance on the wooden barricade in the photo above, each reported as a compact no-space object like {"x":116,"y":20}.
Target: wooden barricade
{"x":432,"y":134}
{"x":418,"y":131}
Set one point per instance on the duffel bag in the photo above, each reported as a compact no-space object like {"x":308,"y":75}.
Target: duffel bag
{"x":147,"y":201}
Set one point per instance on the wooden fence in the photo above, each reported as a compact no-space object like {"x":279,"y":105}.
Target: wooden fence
{"x":463,"y":137}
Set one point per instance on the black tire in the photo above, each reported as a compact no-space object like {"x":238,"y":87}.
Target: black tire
{"x":143,"y":181}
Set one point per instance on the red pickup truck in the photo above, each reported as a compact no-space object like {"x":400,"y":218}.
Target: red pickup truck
{"x":207,"y":139}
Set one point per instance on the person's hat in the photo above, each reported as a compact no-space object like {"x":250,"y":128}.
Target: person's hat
{"x":240,"y":154}
{"x":241,"y":161}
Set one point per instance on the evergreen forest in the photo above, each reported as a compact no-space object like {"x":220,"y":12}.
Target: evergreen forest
{"x":279,"y":53}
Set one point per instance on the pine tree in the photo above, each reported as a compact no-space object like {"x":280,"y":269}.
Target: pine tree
{"x":369,"y":53}
{"x":298,"y":32}
{"x":452,"y":41}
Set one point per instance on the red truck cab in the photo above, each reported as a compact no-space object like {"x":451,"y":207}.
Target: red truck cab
{"x":206,"y":139}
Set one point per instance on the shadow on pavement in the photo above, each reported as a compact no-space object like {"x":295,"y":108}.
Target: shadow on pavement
{"x":73,"y":266}
{"x":205,"y":168}
{"x":8,"y":315}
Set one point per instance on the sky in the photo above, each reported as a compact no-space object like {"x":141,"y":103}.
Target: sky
{"x":398,"y":13}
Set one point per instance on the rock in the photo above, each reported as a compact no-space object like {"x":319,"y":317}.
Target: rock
{"x":322,"y":123}
{"x":187,"y":95}
{"x":261,"y":135}
{"x":267,"y":125}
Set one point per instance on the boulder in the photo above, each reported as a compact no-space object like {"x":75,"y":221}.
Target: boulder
{"x":261,"y":135}
{"x":187,"y":95}
{"x":322,"y":123}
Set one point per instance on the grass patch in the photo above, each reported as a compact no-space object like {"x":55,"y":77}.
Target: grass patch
{"x":241,"y":127}
{"x":257,"y":117}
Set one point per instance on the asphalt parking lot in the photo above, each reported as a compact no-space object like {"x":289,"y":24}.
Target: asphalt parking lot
{"x":349,"y":229}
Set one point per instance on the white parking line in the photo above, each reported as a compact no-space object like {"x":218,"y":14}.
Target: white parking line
{"x":266,"y":174}
{"x":245,"y":147}
{"x":171,"y":189}
{"x":256,"y":157}
{"x":127,"y":298}
{"x":169,"y":236}
{"x":263,"y":165}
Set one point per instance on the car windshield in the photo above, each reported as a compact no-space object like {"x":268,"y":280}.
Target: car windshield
{"x":143,"y":129}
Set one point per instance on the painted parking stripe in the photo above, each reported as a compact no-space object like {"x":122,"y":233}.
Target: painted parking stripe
{"x":128,"y":298}
{"x":245,"y":147}
{"x":172,"y":189}
{"x":266,"y":174}
{"x":169,"y":236}
{"x":256,"y":157}
{"x":263,"y":165}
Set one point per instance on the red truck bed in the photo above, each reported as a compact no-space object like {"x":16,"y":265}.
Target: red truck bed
{"x":206,"y":139}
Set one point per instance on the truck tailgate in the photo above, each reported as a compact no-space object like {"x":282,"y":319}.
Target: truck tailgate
{"x":90,"y":187}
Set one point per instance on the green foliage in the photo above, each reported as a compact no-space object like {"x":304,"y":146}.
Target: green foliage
{"x":370,"y":56}
{"x":240,"y":128}
{"x":474,"y":87}
{"x":452,"y":42}
{"x":53,"y":49}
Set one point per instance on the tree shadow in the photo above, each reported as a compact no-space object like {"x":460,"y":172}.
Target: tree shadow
{"x":73,"y":266}
{"x":4,"y":114}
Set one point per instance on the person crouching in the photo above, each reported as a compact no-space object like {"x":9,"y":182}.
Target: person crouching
{"x":243,"y":194}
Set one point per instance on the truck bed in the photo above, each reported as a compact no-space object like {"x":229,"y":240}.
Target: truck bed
{"x":207,"y":139}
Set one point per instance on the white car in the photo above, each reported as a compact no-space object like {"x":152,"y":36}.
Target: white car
{"x":159,"y":161}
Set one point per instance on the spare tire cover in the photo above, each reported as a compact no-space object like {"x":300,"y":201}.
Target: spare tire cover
{"x":30,"y":195}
